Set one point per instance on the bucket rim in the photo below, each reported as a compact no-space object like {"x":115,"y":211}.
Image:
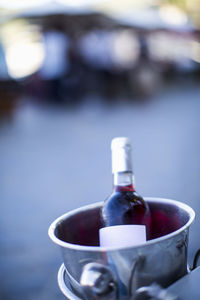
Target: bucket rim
{"x":63,"y":244}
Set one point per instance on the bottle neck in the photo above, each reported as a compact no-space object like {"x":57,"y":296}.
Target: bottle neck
{"x":123,"y":182}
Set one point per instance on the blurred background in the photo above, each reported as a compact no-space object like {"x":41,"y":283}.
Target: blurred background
{"x":73,"y":75}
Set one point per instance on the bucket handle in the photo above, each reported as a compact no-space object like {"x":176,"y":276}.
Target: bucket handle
{"x":62,"y":285}
{"x":96,"y":291}
{"x":98,"y":282}
{"x":196,"y":259}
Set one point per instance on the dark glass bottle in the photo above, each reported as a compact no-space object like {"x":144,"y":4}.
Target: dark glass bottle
{"x":124,"y":206}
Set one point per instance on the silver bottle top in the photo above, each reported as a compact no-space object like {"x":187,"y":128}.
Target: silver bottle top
{"x":121,"y":155}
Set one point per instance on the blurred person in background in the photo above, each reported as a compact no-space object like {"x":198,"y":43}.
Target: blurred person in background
{"x":145,"y":77}
{"x":8,"y":87}
{"x":3,"y":66}
{"x":56,"y":62}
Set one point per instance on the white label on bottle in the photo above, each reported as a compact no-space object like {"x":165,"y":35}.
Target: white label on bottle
{"x":122,"y":235}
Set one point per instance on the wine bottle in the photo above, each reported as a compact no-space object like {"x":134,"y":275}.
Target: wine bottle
{"x":125,"y":215}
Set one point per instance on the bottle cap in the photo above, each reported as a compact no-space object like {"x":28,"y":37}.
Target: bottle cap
{"x":121,"y":155}
{"x":120,"y":142}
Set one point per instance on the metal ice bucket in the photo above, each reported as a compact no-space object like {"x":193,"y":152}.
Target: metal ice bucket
{"x":102,"y":273}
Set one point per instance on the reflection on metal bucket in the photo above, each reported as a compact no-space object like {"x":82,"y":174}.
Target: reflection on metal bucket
{"x":103,"y":273}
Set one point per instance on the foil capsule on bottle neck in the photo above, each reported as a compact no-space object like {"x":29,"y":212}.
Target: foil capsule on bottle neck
{"x":121,"y":155}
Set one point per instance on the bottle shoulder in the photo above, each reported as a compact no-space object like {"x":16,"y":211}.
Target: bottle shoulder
{"x":124,"y":198}
{"x":124,"y":208}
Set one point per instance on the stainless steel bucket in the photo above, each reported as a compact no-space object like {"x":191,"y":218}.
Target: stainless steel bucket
{"x":103,"y":273}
